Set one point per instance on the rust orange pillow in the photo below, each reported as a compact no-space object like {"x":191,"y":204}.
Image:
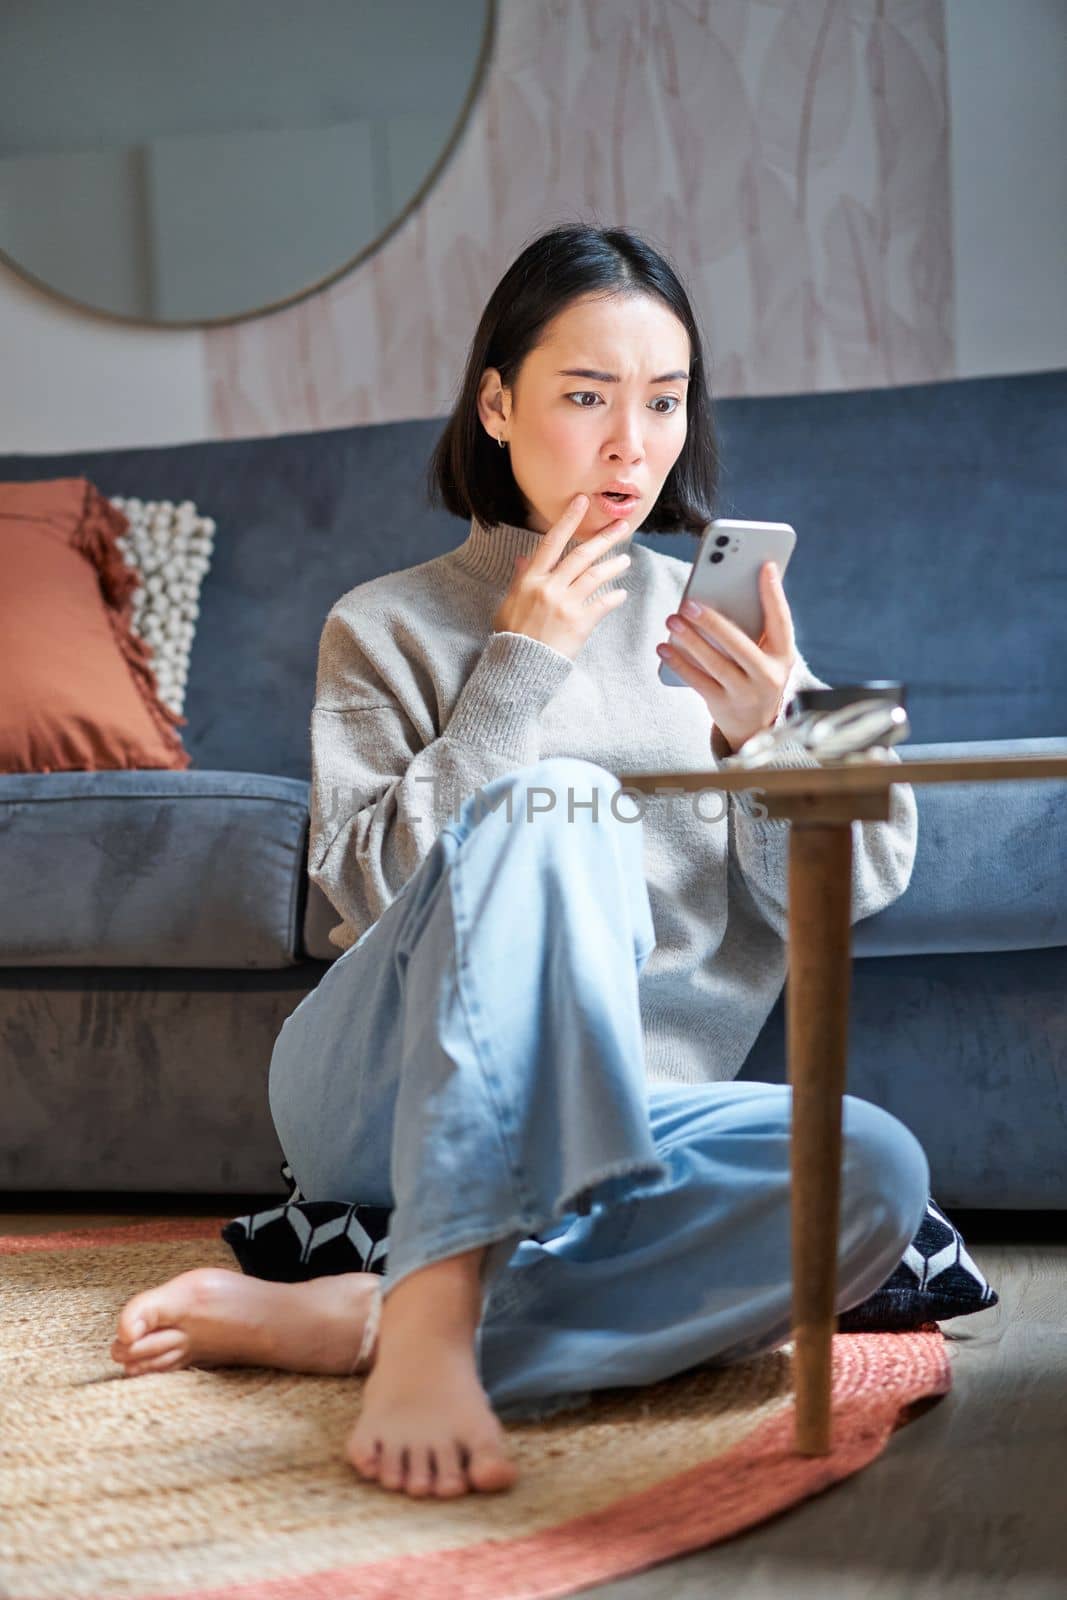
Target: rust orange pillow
{"x":77,"y":688}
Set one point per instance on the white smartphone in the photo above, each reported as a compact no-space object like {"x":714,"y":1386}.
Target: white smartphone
{"x":725,"y":574}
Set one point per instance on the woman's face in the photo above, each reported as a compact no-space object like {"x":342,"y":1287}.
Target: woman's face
{"x":602,"y":397}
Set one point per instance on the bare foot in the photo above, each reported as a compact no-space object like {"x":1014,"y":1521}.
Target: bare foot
{"x":215,"y":1316}
{"x":426,"y":1426}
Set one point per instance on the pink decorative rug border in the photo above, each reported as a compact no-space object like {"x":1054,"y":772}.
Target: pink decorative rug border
{"x":701,"y":1506}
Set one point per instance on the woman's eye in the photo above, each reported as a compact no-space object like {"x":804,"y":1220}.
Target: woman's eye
{"x":579,"y":394}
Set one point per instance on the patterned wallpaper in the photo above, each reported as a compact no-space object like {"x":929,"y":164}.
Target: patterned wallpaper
{"x":791,"y":156}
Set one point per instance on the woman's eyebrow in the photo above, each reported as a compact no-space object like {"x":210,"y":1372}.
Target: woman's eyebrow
{"x":613,"y":377}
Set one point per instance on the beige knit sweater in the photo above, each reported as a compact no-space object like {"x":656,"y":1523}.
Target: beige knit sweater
{"x":419,"y":703}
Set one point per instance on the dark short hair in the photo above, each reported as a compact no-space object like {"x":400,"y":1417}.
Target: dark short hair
{"x":470,"y":475}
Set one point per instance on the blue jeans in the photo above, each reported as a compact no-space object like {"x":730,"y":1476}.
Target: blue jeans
{"x":475,"y":1062}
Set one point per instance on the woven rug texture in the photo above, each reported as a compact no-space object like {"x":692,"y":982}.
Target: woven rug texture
{"x":231,"y":1483}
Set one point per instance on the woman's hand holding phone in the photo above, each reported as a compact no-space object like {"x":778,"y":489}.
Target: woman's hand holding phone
{"x":548,"y":602}
{"x":740,"y":682}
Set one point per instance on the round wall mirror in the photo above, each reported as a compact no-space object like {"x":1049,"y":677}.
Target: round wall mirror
{"x":204,"y":162}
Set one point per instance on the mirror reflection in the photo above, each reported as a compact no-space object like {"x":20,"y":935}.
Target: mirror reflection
{"x":206,"y":161}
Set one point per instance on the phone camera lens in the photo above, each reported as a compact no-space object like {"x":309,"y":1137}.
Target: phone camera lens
{"x":724,"y":538}
{"x":716,"y":555}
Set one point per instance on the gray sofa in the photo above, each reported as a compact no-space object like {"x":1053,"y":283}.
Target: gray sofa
{"x":157,"y":927}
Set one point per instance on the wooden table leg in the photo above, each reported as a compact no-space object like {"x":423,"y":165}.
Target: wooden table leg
{"x":817,"y":996}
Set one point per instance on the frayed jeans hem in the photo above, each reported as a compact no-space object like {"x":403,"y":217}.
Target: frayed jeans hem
{"x":539,"y":1408}
{"x":640,"y":1171}
{"x":635,"y":1169}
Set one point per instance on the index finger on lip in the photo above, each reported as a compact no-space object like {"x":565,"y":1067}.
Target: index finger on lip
{"x":544,"y":557}
{"x":572,"y":516}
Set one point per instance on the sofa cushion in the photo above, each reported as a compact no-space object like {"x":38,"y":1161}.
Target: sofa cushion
{"x":937,"y":1279}
{"x":990,"y":862}
{"x":169,"y":548}
{"x":298,"y":1239}
{"x":208,"y":869}
{"x":152,"y":869}
{"x":79,"y":685}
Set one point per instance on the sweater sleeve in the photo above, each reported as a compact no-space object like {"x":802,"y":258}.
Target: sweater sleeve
{"x":380,"y":792}
{"x":883,"y":853}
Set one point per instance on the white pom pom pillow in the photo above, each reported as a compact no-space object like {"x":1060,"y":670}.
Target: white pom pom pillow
{"x":170,"y":547}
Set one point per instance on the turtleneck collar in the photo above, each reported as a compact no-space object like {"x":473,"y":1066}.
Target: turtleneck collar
{"x":489,"y":553}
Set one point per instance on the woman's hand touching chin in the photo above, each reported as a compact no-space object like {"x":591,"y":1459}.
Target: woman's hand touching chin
{"x":741,"y":683}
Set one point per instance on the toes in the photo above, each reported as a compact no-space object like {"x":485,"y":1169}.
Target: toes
{"x":151,"y":1346}
{"x":139,"y":1316}
{"x":393,"y":1466}
{"x":170,"y":1358}
{"x":446,"y":1468}
{"x":420,"y":1476}
{"x":450,"y":1480}
{"x":164,"y":1363}
{"x":489,"y":1469}
{"x":167,"y":1304}
{"x":364,"y":1455}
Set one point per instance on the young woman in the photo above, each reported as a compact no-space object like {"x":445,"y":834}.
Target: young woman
{"x":527,"y":1049}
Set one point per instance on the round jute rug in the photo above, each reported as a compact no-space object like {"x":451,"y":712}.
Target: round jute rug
{"x":231,"y":1482}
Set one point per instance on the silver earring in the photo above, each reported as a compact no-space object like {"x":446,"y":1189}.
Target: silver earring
{"x":500,"y":442}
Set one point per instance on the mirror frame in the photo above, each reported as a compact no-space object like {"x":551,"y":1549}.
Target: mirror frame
{"x":478,"y":78}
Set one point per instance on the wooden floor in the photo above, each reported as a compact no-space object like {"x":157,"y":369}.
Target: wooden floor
{"x":968,"y":1502}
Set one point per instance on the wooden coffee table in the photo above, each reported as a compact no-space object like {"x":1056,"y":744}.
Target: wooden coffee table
{"x":821,"y":803}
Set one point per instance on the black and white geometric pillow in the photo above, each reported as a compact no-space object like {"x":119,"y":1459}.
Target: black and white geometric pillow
{"x":937,"y":1279}
{"x":301,"y":1239}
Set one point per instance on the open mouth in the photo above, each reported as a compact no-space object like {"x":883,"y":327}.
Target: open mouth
{"x":616,"y":503}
